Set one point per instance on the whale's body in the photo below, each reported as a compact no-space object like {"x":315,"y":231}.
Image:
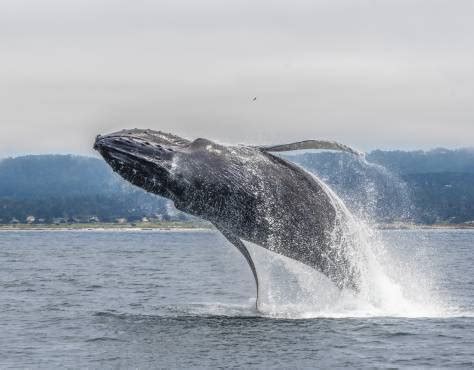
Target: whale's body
{"x":248,"y":193}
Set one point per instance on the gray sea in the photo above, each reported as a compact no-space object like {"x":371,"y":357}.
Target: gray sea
{"x":180,"y":299}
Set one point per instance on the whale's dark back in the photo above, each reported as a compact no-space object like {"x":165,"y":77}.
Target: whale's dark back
{"x":264,"y":199}
{"x":247,"y":192}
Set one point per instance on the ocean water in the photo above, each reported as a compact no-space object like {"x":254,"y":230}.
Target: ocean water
{"x":179,"y":299}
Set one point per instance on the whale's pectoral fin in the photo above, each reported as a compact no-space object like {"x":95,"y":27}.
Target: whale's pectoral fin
{"x":309,"y":144}
{"x":243,"y":249}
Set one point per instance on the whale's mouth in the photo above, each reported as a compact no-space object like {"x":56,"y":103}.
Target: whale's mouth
{"x":138,"y":147}
{"x":124,"y":150}
{"x":143,"y":157}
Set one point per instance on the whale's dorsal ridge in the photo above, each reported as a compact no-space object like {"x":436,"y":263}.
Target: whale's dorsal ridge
{"x":309,"y":144}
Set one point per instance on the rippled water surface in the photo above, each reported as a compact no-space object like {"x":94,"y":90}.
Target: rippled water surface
{"x":147,"y":299}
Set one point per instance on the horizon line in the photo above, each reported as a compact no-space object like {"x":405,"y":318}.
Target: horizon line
{"x":93,"y":155}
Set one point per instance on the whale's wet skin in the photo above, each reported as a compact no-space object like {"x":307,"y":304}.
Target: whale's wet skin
{"x":248,"y":193}
{"x":147,"y":299}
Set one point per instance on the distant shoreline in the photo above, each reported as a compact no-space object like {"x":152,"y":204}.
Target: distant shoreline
{"x":181,"y":226}
{"x":403,"y":226}
{"x":188,"y":226}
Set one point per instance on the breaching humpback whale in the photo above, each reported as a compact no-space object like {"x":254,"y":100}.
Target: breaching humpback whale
{"x":248,"y":193}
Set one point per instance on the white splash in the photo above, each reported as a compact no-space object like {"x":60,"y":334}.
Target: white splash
{"x":213,"y":149}
{"x":389,"y":286}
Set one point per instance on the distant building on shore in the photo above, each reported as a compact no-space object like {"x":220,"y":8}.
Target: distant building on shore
{"x":30,"y":219}
{"x":59,"y":220}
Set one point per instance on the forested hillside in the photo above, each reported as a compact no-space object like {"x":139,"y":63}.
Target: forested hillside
{"x":419,"y":186}
{"x":425,"y":187}
{"x":72,"y":188}
{"x":432,"y":161}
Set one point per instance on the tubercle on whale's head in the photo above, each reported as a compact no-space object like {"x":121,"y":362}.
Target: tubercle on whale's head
{"x":144,"y":158}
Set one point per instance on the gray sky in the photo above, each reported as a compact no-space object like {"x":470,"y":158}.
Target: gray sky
{"x":371,"y":74}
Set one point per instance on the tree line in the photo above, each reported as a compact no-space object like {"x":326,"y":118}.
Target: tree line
{"x":417,"y":186}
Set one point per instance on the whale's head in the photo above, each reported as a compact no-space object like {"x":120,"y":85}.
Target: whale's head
{"x":187,"y":172}
{"x":144,"y":157}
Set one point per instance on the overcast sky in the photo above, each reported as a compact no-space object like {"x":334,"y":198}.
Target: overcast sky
{"x":371,"y":74}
